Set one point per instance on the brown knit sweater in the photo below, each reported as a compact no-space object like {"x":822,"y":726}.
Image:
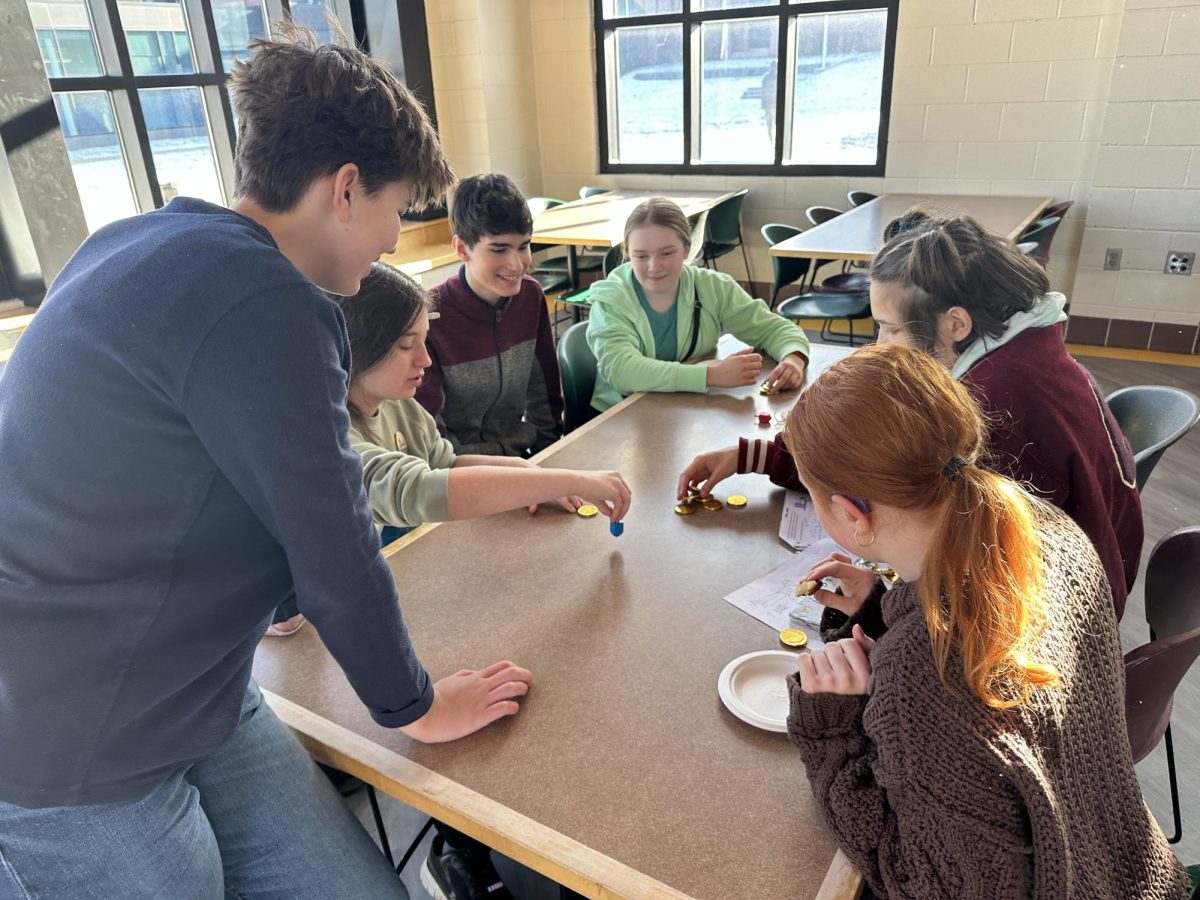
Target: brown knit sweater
{"x":932,"y":794}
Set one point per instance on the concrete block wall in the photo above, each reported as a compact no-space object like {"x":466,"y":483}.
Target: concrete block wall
{"x":1096,"y":101}
{"x":1146,"y":187}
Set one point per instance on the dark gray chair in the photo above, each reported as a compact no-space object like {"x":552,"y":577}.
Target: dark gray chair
{"x":787,"y":269}
{"x":1041,"y":233}
{"x":578,"y":366}
{"x":1172,"y":586}
{"x":858,"y":198}
{"x":829,"y":307}
{"x":1153,"y":417}
{"x":723,"y":232}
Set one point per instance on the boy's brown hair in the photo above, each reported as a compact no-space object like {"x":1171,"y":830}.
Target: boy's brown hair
{"x":306,"y":109}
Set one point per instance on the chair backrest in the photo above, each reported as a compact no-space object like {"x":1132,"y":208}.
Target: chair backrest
{"x":591,"y":191}
{"x":1042,"y":232}
{"x":699,"y":229}
{"x":788,"y":269}
{"x":613,"y":257}
{"x":1058,"y":209}
{"x":1027,"y":247}
{"x":1152,"y":673}
{"x":858,"y":198}
{"x":819,"y":214}
{"x":538,"y":205}
{"x":1172,"y":583}
{"x":1153,"y":417}
{"x":725,"y":220}
{"x":578,"y":366}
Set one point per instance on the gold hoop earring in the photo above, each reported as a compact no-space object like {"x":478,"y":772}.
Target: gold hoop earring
{"x":859,"y":541}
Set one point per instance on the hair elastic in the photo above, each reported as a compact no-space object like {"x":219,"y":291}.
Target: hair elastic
{"x":950,"y":469}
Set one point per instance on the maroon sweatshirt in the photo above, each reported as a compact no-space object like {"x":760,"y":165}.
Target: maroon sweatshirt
{"x":494,"y":386}
{"x":1049,"y":429}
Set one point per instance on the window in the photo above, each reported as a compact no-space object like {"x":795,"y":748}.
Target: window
{"x":753,"y":87}
{"x":139,"y":86}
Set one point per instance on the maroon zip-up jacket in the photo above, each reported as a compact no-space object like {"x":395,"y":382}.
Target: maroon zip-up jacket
{"x":1049,"y":429}
{"x":494,"y":386}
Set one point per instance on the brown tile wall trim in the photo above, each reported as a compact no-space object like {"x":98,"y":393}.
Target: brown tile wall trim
{"x":1128,"y":334}
{"x":1087,"y":330}
{"x":1173,"y":338}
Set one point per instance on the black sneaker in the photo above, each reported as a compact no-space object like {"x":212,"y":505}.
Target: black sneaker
{"x":468,"y":874}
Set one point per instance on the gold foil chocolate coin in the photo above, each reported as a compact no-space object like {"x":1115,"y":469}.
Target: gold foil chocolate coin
{"x":793,"y":637}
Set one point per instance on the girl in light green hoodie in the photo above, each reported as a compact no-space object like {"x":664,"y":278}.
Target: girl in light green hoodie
{"x":654,"y":312}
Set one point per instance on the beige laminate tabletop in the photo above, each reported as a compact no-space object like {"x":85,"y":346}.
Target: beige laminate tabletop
{"x":623,"y":775}
{"x":857,"y":234}
{"x":599,"y":220}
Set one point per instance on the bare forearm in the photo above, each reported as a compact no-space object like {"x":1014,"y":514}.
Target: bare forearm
{"x":478,"y":459}
{"x":481,"y":490}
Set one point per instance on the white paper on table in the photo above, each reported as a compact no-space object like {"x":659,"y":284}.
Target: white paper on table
{"x":799,"y":527}
{"x":770,"y":597}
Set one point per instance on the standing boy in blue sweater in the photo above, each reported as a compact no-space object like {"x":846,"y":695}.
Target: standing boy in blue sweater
{"x":175,"y":461}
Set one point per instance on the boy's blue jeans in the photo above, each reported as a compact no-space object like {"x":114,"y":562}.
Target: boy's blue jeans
{"x":257,"y":819}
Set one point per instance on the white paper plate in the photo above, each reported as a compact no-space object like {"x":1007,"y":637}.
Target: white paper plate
{"x":754,"y":688}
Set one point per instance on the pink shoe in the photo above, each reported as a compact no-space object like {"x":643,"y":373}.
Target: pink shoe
{"x":287,"y":627}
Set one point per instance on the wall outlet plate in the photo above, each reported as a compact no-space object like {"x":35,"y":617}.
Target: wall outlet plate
{"x":1179,"y":263}
{"x":1112,"y":259}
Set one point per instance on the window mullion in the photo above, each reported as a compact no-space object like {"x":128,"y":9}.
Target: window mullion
{"x":105,"y":36}
{"x":692,"y":58}
{"x":128,"y":97}
{"x":785,"y":114}
{"x":276,"y":10}
{"x":202,"y":32}
{"x":139,"y":164}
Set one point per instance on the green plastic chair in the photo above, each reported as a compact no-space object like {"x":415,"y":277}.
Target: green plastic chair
{"x":591,"y":191}
{"x":613,"y":257}
{"x":829,"y":307}
{"x":723,"y":232}
{"x":578,"y":366}
{"x":788,"y":269}
{"x":552,"y":273}
{"x":538,"y":205}
{"x":1042,"y":233}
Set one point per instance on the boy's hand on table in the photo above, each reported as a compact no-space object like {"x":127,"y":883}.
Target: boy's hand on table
{"x":468,"y":700}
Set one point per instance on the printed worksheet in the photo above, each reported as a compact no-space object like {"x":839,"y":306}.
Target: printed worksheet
{"x":770,"y":597}
{"x":799,"y":527}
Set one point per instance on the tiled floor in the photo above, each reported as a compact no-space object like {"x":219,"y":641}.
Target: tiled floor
{"x":1171,"y":500}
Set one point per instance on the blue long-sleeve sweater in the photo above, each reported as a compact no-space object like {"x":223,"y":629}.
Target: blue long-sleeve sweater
{"x":173,"y":460}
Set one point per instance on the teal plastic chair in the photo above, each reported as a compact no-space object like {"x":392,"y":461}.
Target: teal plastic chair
{"x":538,"y":205}
{"x":578,"y":366}
{"x":1040,"y":232}
{"x":613,"y":257}
{"x":591,"y":191}
{"x":828,"y":308}
{"x":723,"y":232}
{"x":551,"y":273}
{"x":788,"y":269}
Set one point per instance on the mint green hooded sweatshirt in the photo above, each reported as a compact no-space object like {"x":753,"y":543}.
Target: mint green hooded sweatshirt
{"x":620,"y":336}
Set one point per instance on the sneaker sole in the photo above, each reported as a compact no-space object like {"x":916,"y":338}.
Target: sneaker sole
{"x":430,"y":885}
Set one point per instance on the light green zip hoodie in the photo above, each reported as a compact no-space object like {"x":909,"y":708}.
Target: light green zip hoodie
{"x":620,"y":336}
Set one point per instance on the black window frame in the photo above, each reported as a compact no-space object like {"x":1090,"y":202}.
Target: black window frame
{"x":691,"y":21}
{"x":210,"y":73}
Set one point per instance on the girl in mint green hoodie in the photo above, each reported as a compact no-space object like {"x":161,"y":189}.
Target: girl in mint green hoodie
{"x":655,"y":311}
